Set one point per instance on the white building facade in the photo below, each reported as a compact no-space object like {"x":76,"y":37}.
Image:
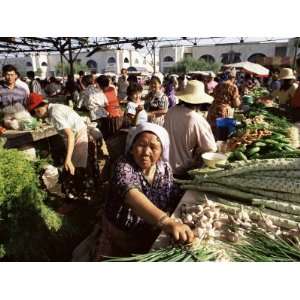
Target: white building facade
{"x":264,"y":53}
{"x":45,"y":64}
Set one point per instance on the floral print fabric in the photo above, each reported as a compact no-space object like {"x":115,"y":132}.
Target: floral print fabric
{"x":163,"y":192}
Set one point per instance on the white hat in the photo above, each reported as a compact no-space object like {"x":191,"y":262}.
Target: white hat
{"x":286,"y":73}
{"x":194,"y":93}
{"x":211,"y":74}
{"x":159,"y":131}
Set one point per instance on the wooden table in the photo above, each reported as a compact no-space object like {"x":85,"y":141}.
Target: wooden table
{"x":17,"y":139}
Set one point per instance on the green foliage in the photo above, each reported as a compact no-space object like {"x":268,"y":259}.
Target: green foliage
{"x":64,"y":68}
{"x":38,"y":72}
{"x":25,"y":219}
{"x":191,"y":64}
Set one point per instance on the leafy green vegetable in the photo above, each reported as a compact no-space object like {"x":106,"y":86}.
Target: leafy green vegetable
{"x":24,"y":217}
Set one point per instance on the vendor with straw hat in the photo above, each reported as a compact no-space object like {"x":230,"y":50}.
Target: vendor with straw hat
{"x":226,"y":98}
{"x":190,"y":134}
{"x":288,"y":87}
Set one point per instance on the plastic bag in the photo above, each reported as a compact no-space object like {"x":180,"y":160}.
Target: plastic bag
{"x":18,"y":118}
{"x":50,"y":177}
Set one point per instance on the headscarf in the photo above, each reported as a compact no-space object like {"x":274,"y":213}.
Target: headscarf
{"x":159,"y":131}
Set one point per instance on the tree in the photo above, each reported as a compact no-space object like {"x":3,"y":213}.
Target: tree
{"x":191,"y":64}
{"x":38,"y":72}
{"x":64,"y":68}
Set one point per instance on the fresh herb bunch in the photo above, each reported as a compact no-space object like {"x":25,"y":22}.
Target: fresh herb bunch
{"x":261,"y":247}
{"x":171,"y":254}
{"x":24,"y":217}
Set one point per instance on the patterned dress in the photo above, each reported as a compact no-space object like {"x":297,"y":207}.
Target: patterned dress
{"x":225,"y":95}
{"x":157,"y":101}
{"x":123,"y":232}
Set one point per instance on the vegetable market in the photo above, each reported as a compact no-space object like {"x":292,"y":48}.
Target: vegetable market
{"x":183,"y":165}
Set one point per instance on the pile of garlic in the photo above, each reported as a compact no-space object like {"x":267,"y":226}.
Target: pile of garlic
{"x":209,"y":222}
{"x":206,"y":220}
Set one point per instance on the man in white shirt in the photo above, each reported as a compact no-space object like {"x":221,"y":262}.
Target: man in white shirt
{"x":94,"y":99}
{"x":190,"y":134}
{"x":22,"y":84}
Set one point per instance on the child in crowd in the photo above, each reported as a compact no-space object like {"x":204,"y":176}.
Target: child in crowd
{"x":135,"y":111}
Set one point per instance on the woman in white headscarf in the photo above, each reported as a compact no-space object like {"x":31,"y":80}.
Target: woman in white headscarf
{"x":143,"y":193}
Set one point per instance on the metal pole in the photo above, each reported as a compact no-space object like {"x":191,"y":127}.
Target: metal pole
{"x":154,"y":56}
{"x":62,"y":65}
{"x":295,"y":55}
{"x":71,"y":58}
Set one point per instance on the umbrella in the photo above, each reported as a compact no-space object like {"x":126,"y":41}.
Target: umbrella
{"x":111,"y":74}
{"x":203,"y":73}
{"x":250,"y":67}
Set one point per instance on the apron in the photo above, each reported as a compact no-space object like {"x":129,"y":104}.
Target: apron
{"x":80,"y":152}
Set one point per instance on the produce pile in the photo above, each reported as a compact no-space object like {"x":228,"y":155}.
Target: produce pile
{"x":269,"y":183}
{"x":24,"y":215}
{"x":254,"y":215}
{"x":263,"y":135}
{"x":258,"y":93}
{"x":226,"y":233}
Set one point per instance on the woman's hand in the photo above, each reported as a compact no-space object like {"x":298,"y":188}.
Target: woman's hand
{"x":69,"y":167}
{"x":180,"y":232}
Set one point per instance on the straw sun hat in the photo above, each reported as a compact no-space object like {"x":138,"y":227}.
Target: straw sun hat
{"x":286,"y":73}
{"x":194,"y":93}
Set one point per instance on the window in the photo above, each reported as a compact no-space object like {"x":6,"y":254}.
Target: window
{"x":28,"y":64}
{"x":136,"y":61}
{"x":92,"y":65}
{"x":231,"y":58}
{"x":280,"y":51}
{"x":126,"y":60}
{"x":44,"y":64}
{"x":131,"y":69}
{"x":257,"y":58}
{"x":208,"y":58}
{"x":168,"y":59}
{"x":111,"y":60}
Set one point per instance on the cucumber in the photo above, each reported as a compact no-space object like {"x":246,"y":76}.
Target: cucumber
{"x":272,"y":142}
{"x":280,"y":140}
{"x":288,"y":148}
{"x":240,"y":155}
{"x":255,"y":156}
{"x":278,"y":147}
{"x":277,"y":136}
{"x":241,"y":148}
{"x":260,"y":144}
{"x":253,"y":150}
{"x":231,"y":156}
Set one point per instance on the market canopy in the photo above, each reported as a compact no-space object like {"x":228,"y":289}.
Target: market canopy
{"x":250,"y":67}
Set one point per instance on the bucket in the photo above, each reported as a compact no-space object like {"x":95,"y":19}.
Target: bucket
{"x":225,"y":127}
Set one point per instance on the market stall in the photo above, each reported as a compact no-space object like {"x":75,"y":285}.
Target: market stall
{"x":17,"y":138}
{"x":245,"y":205}
{"x":244,"y":212}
